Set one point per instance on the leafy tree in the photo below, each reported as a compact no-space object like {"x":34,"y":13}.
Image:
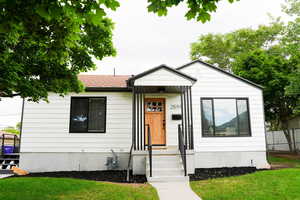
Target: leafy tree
{"x":272,"y":70}
{"x":45,"y":44}
{"x":12,"y":130}
{"x":18,"y":126}
{"x":222,"y":49}
{"x":269,"y":56}
{"x":199,"y":10}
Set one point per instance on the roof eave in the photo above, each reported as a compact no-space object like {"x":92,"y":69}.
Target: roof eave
{"x":108,"y":89}
{"x":221,"y":70}
{"x":133,"y":78}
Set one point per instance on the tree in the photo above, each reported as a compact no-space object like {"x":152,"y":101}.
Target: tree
{"x":269,"y":56}
{"x":272,"y":69}
{"x":199,"y":10}
{"x":45,"y":44}
{"x":222,"y":49}
{"x":11,"y":129}
{"x":18,"y":126}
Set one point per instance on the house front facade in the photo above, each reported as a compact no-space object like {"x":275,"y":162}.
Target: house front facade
{"x":198,"y":113}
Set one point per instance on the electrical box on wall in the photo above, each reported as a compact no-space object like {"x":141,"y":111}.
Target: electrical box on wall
{"x":176,"y":116}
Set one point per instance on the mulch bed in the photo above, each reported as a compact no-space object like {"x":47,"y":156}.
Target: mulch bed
{"x":109,"y":176}
{"x":120,"y":176}
{"x":203,"y":173}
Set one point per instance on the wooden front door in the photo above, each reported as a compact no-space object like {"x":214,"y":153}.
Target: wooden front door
{"x":155,"y":117}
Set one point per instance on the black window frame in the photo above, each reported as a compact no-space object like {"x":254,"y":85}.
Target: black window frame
{"x":213,"y":112}
{"x":87,"y":131}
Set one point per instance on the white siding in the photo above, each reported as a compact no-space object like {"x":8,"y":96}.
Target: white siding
{"x":46,"y":126}
{"x":212,"y":83}
{"x":162,"y":77}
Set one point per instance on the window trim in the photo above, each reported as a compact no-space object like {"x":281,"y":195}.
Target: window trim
{"x":87,"y":131}
{"x":213,"y":112}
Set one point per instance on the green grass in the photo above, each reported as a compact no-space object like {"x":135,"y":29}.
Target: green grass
{"x":279,"y":160}
{"x":283,"y":184}
{"x":11,"y":130}
{"x":72,"y":189}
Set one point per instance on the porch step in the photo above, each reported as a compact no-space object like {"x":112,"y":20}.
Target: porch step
{"x":168,"y":179}
{"x":165,"y":167}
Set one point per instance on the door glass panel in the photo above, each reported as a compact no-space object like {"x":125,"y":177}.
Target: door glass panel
{"x":154,"y":106}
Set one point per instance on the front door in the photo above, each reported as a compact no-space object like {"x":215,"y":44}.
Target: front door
{"x":155,"y":117}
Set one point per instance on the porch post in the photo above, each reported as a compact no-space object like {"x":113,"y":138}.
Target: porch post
{"x":182,"y":109}
{"x":186,"y":129}
{"x":138,"y":118}
{"x":141,"y":119}
{"x":192,"y":122}
{"x":188,"y":116}
{"x":133,"y":117}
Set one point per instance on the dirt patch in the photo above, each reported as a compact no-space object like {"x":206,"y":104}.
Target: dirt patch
{"x":203,"y":173}
{"x":108,"y":176}
{"x":281,"y":166}
{"x":286,"y":155}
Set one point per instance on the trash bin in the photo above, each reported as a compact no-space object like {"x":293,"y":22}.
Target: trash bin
{"x":8,"y":149}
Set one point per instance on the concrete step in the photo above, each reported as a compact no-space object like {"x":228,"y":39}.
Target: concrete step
{"x":164,"y":164}
{"x":168,"y":179}
{"x":166,"y":172}
{"x":169,"y":158}
{"x":165,"y":152}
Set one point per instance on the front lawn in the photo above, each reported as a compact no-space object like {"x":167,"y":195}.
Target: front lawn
{"x":72,"y":189}
{"x":283,"y":184}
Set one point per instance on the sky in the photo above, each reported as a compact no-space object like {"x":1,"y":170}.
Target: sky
{"x":143,"y":40}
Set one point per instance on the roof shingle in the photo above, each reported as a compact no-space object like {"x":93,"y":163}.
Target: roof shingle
{"x":118,"y":81}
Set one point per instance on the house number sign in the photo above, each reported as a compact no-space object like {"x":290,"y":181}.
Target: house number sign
{"x":174,"y":106}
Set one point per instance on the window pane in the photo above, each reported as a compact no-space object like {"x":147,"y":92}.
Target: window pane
{"x":243,"y":117}
{"x":207,"y":117}
{"x":96,"y":115}
{"x":225,"y":117}
{"x":79,"y":115}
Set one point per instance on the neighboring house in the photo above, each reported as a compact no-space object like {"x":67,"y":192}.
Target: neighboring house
{"x":295,"y":122}
{"x":221,"y":120}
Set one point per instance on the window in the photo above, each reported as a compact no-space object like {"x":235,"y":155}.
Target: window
{"x":223,"y":117}
{"x":88,"y":115}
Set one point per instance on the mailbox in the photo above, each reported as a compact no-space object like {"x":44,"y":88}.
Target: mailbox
{"x":176,"y":117}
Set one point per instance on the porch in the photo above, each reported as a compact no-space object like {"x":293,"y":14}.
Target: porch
{"x":162,"y":123}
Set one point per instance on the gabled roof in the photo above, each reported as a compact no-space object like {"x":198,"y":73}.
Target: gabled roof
{"x":221,"y":70}
{"x":133,"y":78}
{"x":104,"y":81}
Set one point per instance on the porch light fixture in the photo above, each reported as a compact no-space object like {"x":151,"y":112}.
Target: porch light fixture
{"x":161,"y":89}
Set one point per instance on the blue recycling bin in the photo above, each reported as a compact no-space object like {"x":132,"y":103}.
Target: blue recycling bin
{"x":8,"y":149}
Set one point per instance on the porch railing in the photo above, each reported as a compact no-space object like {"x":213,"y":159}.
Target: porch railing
{"x":149,"y":148}
{"x":129,"y":163}
{"x":182,"y":147}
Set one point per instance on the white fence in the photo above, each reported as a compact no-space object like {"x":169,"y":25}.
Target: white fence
{"x":276,"y":140}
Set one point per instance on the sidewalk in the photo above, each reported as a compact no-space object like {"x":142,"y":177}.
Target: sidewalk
{"x":175,"y":191}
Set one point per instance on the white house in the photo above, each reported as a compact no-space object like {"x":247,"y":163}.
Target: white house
{"x":198,"y":116}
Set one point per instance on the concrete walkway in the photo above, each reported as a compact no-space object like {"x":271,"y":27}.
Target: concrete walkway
{"x":175,"y":191}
